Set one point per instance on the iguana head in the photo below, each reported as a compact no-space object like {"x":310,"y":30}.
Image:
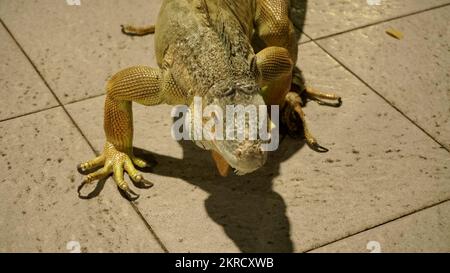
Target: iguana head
{"x":234,"y":108}
{"x":216,"y":62}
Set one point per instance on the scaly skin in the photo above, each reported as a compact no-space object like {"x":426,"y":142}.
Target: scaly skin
{"x":206,"y":48}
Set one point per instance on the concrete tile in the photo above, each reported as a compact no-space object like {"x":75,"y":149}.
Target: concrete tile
{"x":424,"y":231}
{"x":40,"y":210}
{"x":380,"y":167}
{"x":21,"y":89}
{"x":76,"y":48}
{"x":329,"y":17}
{"x":412,"y":73}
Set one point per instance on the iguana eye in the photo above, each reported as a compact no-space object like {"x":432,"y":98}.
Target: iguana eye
{"x":229,"y":92}
{"x":254,"y":66}
{"x":248,"y":89}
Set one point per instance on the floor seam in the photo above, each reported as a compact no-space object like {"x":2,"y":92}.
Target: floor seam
{"x":158,"y":240}
{"x":442,"y":146}
{"x":30,"y":113}
{"x":85,"y":99}
{"x":381,"y":224}
{"x":377,"y":23}
{"x":149,"y":227}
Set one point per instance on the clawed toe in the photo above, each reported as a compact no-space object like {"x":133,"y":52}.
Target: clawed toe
{"x":293,"y":101}
{"x":326,"y":99}
{"x":129,"y":194}
{"x":147,"y":184}
{"x":116,"y":163}
{"x":81,"y":169}
{"x":336,"y":104}
{"x":140,"y":182}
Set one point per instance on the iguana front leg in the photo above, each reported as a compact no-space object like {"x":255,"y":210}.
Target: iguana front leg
{"x":275,"y":70}
{"x":144,"y":85}
{"x":275,"y":30}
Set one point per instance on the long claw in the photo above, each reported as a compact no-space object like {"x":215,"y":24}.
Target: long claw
{"x":80,"y":169}
{"x":136,"y":176}
{"x":316,"y":147}
{"x":130,"y":194}
{"x":141,"y":182}
{"x":147,"y":183}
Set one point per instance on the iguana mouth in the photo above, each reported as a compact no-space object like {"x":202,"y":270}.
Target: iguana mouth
{"x":246,"y":158}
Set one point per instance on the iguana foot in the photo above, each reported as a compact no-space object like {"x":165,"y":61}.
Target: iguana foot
{"x":308,"y":92}
{"x":137,"y":31}
{"x":114,"y":162}
{"x":294,"y":119}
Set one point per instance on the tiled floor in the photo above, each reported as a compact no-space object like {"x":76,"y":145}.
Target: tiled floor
{"x":384,"y":185}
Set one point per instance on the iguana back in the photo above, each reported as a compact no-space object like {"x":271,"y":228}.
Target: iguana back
{"x":206,"y":43}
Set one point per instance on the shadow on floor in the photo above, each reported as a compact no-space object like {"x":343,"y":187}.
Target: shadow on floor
{"x":250,"y":212}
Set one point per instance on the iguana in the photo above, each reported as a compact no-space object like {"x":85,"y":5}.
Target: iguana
{"x":227,"y":52}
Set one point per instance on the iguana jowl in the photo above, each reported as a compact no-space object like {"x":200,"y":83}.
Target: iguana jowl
{"x":224,"y":51}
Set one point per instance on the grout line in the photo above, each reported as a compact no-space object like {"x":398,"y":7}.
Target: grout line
{"x":305,"y":42}
{"x":84,"y":99}
{"x":149,"y":227}
{"x":378,"y":22}
{"x":78,"y":128}
{"x":309,"y":37}
{"x":381,"y":224}
{"x":29,"y":113}
{"x":381,"y":96}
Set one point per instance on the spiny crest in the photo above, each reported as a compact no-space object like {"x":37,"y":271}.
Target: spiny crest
{"x":217,"y":24}
{"x":223,"y":26}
